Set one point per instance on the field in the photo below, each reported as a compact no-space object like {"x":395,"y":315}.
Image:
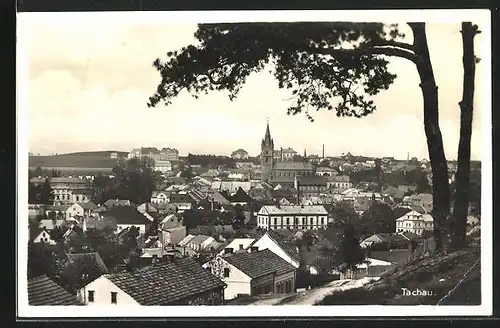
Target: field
{"x":87,"y":160}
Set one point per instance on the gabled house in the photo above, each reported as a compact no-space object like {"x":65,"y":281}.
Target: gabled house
{"x":147,"y":208}
{"x":111,"y":203}
{"x":42,"y":236}
{"x":159,"y":197}
{"x":81,"y":269}
{"x":385,"y":241}
{"x":49,"y":224}
{"x":196,"y":243}
{"x":415,"y":222}
{"x":44,"y":291}
{"x":75,"y":210}
{"x":128,"y":216}
{"x":240,"y":198}
{"x":181,"y":282}
{"x":277,"y":244}
{"x":253,"y":273}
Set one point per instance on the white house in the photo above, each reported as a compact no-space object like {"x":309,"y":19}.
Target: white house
{"x":253,"y":273}
{"x":292,"y":217}
{"x":196,"y":242}
{"x":155,"y":285}
{"x":163,"y":166}
{"x":127,"y":217}
{"x":415,"y":222}
{"x":270,"y":243}
{"x":74,"y":210}
{"x":159,"y":197}
{"x":44,"y":237}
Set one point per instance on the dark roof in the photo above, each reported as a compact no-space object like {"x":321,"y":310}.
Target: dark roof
{"x":88,"y":206}
{"x":285,"y":242}
{"x":312,"y":180}
{"x":240,"y":196}
{"x":258,"y":264}
{"x":164,"y":284}
{"x":90,"y":264}
{"x":110,"y":203}
{"x":391,"y":237}
{"x":44,"y":291}
{"x":126,"y":215}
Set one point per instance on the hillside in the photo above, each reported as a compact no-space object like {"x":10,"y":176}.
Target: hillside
{"x":97,"y":159}
{"x":452,"y":279}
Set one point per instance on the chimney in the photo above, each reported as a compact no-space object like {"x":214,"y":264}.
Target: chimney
{"x":323,"y":151}
{"x":228,"y":250}
{"x":254,"y":249}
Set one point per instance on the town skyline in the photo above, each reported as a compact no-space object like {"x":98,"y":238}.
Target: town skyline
{"x":86,"y":80}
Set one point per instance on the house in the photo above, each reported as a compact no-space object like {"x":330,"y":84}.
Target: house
{"x":56,"y":211}
{"x":311,"y":185}
{"x":127,"y":217}
{"x":35,"y":210}
{"x":325,"y":171}
{"x":50,"y":224}
{"x":276,"y":243}
{"x":385,"y":241}
{"x":240,"y":198}
{"x":338,"y":182}
{"x":238,"y":244}
{"x":113,"y":155}
{"x":75,"y":210}
{"x":253,"y":273}
{"x":415,"y":222}
{"x":292,"y":217}
{"x":162,"y":166}
{"x":196,"y":243}
{"x":239,"y":154}
{"x":111,"y":203}
{"x":44,"y":291}
{"x":231,"y":186}
{"x":85,"y":267}
{"x":159,"y":197}
{"x":369,"y":268}
{"x":182,"y":207}
{"x":69,"y":190}
{"x":42,"y":236}
{"x":181,"y":282}
{"x":147,"y":208}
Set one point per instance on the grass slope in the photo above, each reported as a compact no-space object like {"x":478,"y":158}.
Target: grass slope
{"x":94,"y":159}
{"x":438,"y":274}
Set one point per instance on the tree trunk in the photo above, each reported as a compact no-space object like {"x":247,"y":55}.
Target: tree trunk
{"x":440,"y":184}
{"x":462,"y":178}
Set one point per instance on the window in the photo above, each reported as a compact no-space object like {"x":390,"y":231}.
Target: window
{"x":287,"y":221}
{"x":241,"y":245}
{"x":226,"y":272}
{"x":91,"y":296}
{"x":322,"y":221}
{"x":113,"y":297}
{"x":275,"y":221}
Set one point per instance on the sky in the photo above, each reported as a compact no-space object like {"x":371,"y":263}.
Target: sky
{"x":89,"y":83}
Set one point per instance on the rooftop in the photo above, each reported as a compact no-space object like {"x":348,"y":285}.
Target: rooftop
{"x":44,"y":291}
{"x":258,"y":264}
{"x":166,"y":284}
{"x":293,"y":210}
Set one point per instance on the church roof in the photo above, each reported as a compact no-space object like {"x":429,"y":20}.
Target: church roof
{"x":293,"y":166}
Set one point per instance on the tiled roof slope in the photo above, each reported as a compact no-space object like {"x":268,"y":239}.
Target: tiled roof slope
{"x":164,"y":284}
{"x":258,"y":264}
{"x":286,"y":244}
{"x":44,"y":291}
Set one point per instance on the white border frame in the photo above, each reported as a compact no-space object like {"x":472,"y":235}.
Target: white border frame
{"x":480,"y":17}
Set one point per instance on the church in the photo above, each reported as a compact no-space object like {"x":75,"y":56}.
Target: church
{"x":280,"y":170}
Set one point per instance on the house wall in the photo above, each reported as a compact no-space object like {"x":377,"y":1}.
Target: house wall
{"x":44,"y":237}
{"x":102,"y":288}
{"x":282,"y":279}
{"x":174,"y":235}
{"x":265,"y":242}
{"x":237,"y":282}
{"x":211,"y":297}
{"x":292,"y":221}
{"x":262,"y":285}
{"x":142,"y":227}
{"x":73,"y":210}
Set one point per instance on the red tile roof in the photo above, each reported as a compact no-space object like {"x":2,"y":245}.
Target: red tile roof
{"x":44,"y":291}
{"x":165,"y":284}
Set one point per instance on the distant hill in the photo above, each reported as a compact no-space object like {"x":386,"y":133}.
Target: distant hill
{"x":94,"y":159}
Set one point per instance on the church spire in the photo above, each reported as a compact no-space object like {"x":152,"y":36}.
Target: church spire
{"x":305,"y":153}
{"x":268,"y":132}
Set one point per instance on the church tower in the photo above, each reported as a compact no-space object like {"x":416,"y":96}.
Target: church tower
{"x":266,"y":156}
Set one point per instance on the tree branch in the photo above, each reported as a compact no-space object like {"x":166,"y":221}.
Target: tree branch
{"x":373,"y":50}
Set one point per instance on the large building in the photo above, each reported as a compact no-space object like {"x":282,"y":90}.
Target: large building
{"x":165,"y":154}
{"x":67,"y":190}
{"x":280,"y":169}
{"x":292,"y":217}
{"x":415,"y":222}
{"x":239,"y":154}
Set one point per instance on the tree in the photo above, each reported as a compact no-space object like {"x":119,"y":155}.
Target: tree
{"x":46,"y":193}
{"x":38,"y":172}
{"x":461,"y":204}
{"x":310,"y":60}
{"x":187,"y":173}
{"x":351,"y":251}
{"x":134,"y":179}
{"x":55,"y":173}
{"x":378,"y":219}
{"x":324,"y":163}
